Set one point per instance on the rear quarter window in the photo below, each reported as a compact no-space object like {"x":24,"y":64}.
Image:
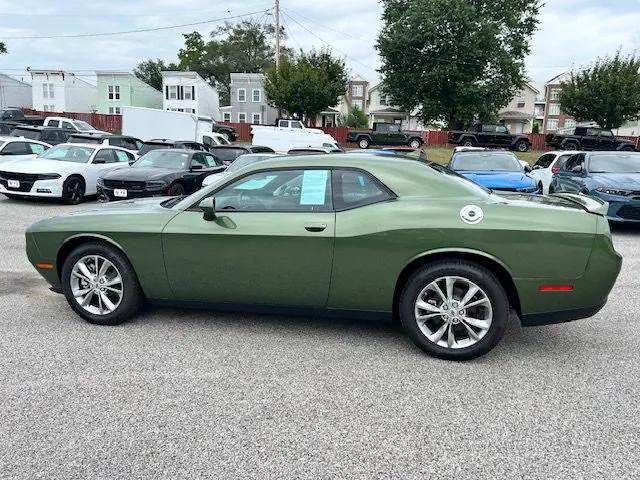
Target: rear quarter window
{"x":354,"y":188}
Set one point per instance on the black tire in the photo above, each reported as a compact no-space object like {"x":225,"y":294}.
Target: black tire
{"x":363,"y":143}
{"x":521,"y":146}
{"x":415,"y":143}
{"x":175,"y":190}
{"x":628,"y":149}
{"x":468,"y":142}
{"x":540,"y":187}
{"x":132,"y":296}
{"x":469,"y":271}
{"x":571,"y":146}
{"x":73,"y":190}
{"x":551,"y":189}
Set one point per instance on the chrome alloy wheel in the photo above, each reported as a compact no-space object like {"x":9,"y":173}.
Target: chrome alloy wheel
{"x":96,"y":284}
{"x":453,"y":312}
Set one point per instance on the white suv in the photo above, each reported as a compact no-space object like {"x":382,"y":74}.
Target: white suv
{"x":548,"y":164}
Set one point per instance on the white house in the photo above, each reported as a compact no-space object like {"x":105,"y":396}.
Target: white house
{"x":189,"y":92}
{"x":381,"y":109}
{"x":60,"y":91}
{"x":14,"y":92}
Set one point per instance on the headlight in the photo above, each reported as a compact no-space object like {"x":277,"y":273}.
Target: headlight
{"x":529,"y":190}
{"x":100,"y":181}
{"x":155,"y":185}
{"x":48,"y":176}
{"x":614,"y":191}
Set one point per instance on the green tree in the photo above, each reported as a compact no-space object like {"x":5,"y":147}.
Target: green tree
{"x":455,"y":61}
{"x":307,"y":85}
{"x":149,"y":71}
{"x":607,"y":93}
{"x":356,"y":118}
{"x":245,"y":47}
{"x":535,"y":128}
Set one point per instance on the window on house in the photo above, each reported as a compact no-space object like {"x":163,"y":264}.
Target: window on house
{"x":226,"y":117}
{"x":384,"y":100}
{"x":173,"y":92}
{"x":357,"y":91}
{"x":190,"y":93}
{"x":114,"y":110}
{"x":242,"y":94}
{"x":554,"y":109}
{"x":242,"y":117}
{"x":356,"y":103}
{"x":114,"y":92}
{"x":45,"y":90}
{"x":45,"y":108}
{"x":554,"y":94}
{"x":256,"y":95}
{"x":256,"y":118}
{"x":552,"y":124}
{"x":520,"y":100}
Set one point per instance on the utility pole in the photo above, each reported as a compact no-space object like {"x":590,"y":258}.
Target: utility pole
{"x":277,"y":15}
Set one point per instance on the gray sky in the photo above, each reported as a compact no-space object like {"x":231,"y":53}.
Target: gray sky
{"x":572,"y":32}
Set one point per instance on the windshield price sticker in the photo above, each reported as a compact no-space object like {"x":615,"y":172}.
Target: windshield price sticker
{"x":314,"y":187}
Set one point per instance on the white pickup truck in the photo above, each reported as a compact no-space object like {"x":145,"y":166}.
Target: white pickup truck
{"x":291,"y":134}
{"x":78,"y":126}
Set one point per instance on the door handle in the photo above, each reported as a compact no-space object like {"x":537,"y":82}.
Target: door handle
{"x":315,"y":227}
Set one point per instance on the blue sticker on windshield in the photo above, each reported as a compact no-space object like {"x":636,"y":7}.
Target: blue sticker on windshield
{"x":314,"y":187}
{"x":361,"y":180}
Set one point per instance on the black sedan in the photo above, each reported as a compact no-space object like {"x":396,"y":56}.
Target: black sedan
{"x":160,"y":172}
{"x":228,"y":153}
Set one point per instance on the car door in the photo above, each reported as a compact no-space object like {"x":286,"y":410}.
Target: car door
{"x":103,"y":160}
{"x":590,"y":140}
{"x":569,"y":180}
{"x":606,"y":140}
{"x":394,"y":135}
{"x":487,"y":135}
{"x":68,"y":126}
{"x":502,"y":136}
{"x":271,"y":242}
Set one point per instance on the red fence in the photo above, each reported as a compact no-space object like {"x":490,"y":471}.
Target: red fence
{"x":432,"y":138}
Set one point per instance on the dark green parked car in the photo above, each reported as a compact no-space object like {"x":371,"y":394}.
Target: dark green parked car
{"x":341,"y":234}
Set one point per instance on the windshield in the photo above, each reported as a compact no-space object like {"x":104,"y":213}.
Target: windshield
{"x":69,"y":153}
{"x":228,"y":154}
{"x":164,"y":159}
{"x":26,"y":133}
{"x":486,"y":161}
{"x":87,"y":139}
{"x":82,"y":126}
{"x":244,"y":160}
{"x":615,"y":163}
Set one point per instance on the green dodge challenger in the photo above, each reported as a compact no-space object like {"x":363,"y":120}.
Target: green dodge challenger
{"x":341,"y":234}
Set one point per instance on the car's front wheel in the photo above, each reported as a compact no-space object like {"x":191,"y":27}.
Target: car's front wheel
{"x":72,"y":191}
{"x":455,"y":310}
{"x":522,"y":146}
{"x":468,"y":142}
{"x":363,"y":143}
{"x":100,"y":284}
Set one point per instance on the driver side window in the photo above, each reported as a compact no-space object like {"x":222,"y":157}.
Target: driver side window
{"x":278,"y":191}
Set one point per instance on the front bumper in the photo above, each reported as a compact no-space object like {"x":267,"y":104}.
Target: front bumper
{"x":39,"y":188}
{"x":107,"y":194}
{"x":622,"y":211}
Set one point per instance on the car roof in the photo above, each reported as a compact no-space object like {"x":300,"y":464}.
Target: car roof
{"x":179,"y":150}
{"x":563,"y":152}
{"x":233,"y":145}
{"x":37,"y":127}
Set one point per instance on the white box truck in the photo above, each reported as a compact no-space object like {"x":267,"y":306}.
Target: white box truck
{"x":291,"y":134}
{"x":152,"y":123}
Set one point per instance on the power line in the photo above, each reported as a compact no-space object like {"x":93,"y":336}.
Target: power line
{"x":287,"y":29}
{"x":141,"y":30}
{"x":327,"y":43}
{"x":290,"y":11}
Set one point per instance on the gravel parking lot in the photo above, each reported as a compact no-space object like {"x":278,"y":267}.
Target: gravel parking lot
{"x":195,"y":394}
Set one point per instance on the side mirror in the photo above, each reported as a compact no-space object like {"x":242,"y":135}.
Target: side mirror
{"x":528,"y":169}
{"x":98,"y":160}
{"x":208,"y":206}
{"x":196,"y":167}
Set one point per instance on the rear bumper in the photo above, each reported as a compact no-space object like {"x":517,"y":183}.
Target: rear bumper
{"x":561,"y":316}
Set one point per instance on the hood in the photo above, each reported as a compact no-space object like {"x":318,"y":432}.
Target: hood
{"x":42,"y":165}
{"x":122,"y":206}
{"x":626,"y":181}
{"x":140,"y":173}
{"x":499,"y":180}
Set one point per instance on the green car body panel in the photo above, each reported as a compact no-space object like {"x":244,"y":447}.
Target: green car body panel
{"x":358,"y":262}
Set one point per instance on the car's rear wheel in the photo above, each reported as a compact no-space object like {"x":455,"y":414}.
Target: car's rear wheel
{"x":72,"y":191}
{"x":455,"y":310}
{"x":570,"y":146}
{"x":363,"y":143}
{"x":100,"y":284}
{"x":175,"y":190}
{"x":522,"y":146}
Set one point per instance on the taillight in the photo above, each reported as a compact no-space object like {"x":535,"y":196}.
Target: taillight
{"x":554,"y":170}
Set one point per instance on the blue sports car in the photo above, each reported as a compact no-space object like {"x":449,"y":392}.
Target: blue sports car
{"x":611,"y":176}
{"x":495,"y":169}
